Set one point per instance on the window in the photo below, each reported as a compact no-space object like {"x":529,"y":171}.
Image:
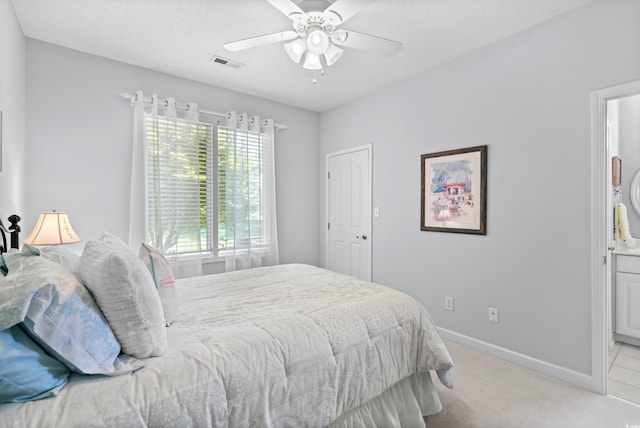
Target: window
{"x":240,"y":189}
{"x":205,"y":187}
{"x":178,"y":154}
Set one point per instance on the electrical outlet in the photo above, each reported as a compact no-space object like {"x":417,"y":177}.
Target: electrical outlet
{"x":493,"y":315}
{"x":448,"y":303}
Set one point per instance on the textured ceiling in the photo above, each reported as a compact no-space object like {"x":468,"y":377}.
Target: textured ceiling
{"x":180,"y":37}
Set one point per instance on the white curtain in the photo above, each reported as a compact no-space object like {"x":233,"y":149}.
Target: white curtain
{"x":138,"y":195}
{"x":249,"y":192}
{"x":171,"y":217}
{"x":169,"y":186}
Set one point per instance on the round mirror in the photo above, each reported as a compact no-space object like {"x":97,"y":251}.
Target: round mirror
{"x":635,"y":192}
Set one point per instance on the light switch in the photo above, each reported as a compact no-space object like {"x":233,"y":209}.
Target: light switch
{"x":376,"y":212}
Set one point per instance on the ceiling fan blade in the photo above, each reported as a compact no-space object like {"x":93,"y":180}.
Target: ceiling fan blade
{"x":287,"y":7}
{"x":253,"y":42}
{"x":345,"y":9}
{"x":366,"y":42}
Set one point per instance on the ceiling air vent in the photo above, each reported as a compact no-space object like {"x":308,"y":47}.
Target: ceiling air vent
{"x":224,"y":61}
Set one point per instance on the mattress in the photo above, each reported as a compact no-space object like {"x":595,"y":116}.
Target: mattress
{"x":282,"y":346}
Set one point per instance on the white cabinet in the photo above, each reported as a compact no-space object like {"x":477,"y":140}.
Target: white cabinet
{"x":627,"y":298}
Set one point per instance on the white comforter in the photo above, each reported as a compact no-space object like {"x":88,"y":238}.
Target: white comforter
{"x":285,"y":346}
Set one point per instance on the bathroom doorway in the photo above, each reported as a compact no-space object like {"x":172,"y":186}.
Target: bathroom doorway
{"x":606,"y":128}
{"x":623,"y":142}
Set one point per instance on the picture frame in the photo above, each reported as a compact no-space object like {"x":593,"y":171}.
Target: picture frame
{"x":453,"y":195}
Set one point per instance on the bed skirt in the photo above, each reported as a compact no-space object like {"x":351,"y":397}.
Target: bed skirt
{"x":403,"y":405}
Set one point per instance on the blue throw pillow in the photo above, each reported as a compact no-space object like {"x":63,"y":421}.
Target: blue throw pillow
{"x":26,"y":371}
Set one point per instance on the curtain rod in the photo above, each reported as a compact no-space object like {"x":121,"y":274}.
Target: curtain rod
{"x":127,"y":95}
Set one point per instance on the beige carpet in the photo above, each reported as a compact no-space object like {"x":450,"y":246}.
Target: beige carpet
{"x":492,"y":393}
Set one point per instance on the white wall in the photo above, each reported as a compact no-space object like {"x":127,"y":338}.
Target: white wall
{"x":528,"y":98}
{"x":12,"y":105}
{"x":79,"y":144}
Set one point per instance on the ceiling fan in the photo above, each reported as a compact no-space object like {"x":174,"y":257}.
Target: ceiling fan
{"x":316,"y":33}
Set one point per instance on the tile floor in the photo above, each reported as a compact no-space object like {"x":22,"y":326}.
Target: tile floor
{"x":624,"y":372}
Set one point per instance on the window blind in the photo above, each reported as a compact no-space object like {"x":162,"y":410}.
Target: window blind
{"x":241,"y":189}
{"x":178,"y":159}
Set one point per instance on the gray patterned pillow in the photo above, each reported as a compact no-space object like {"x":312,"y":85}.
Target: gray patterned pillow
{"x":124,"y":290}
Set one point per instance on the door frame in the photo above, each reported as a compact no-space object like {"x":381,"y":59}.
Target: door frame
{"x":600,"y":231}
{"x":369,"y":148}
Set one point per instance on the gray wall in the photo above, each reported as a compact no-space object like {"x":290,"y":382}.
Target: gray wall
{"x":12,"y":105}
{"x":528,"y":98}
{"x":79,"y":144}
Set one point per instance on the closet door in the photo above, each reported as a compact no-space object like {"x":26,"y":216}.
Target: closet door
{"x":349,"y":212}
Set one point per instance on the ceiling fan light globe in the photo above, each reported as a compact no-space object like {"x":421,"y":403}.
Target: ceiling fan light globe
{"x":339,"y":36}
{"x":317,"y":42}
{"x":312,"y":62}
{"x":333,"y":54}
{"x":295,"y":50}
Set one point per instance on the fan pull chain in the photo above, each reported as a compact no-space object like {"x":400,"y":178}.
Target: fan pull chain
{"x":315,"y":80}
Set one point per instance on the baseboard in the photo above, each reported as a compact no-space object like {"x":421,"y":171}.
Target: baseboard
{"x":561,"y":373}
{"x":626,"y":339}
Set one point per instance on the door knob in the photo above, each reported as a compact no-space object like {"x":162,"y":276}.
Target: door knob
{"x":364,"y":237}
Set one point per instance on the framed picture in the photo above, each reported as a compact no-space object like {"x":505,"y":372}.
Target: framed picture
{"x":454,"y":191}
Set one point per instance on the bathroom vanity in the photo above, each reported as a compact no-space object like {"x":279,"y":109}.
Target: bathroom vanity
{"x":626,"y":295}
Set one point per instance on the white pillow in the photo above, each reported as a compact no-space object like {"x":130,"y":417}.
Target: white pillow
{"x":61,"y":255}
{"x":124,"y":290}
{"x":163,"y":279}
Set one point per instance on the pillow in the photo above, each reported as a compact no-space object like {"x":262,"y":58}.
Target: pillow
{"x":16,"y":291}
{"x":26,"y":371}
{"x":30,"y":250}
{"x":3,"y":266}
{"x":62,"y":255}
{"x":163,"y":279}
{"x":63,"y":318}
{"x":124,"y":290}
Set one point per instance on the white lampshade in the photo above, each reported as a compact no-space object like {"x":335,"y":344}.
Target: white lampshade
{"x":312,"y":62}
{"x":332,"y":54}
{"x":295,"y":49}
{"x":52,"y":228}
{"x":317,"y":42}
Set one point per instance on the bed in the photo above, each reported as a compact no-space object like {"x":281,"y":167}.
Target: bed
{"x":283,"y":346}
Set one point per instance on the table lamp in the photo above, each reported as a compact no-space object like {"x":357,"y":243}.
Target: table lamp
{"x":52,"y":228}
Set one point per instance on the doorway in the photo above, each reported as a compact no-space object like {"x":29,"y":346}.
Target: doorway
{"x":349,"y":190}
{"x":602,"y":229}
{"x":623,"y":137}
